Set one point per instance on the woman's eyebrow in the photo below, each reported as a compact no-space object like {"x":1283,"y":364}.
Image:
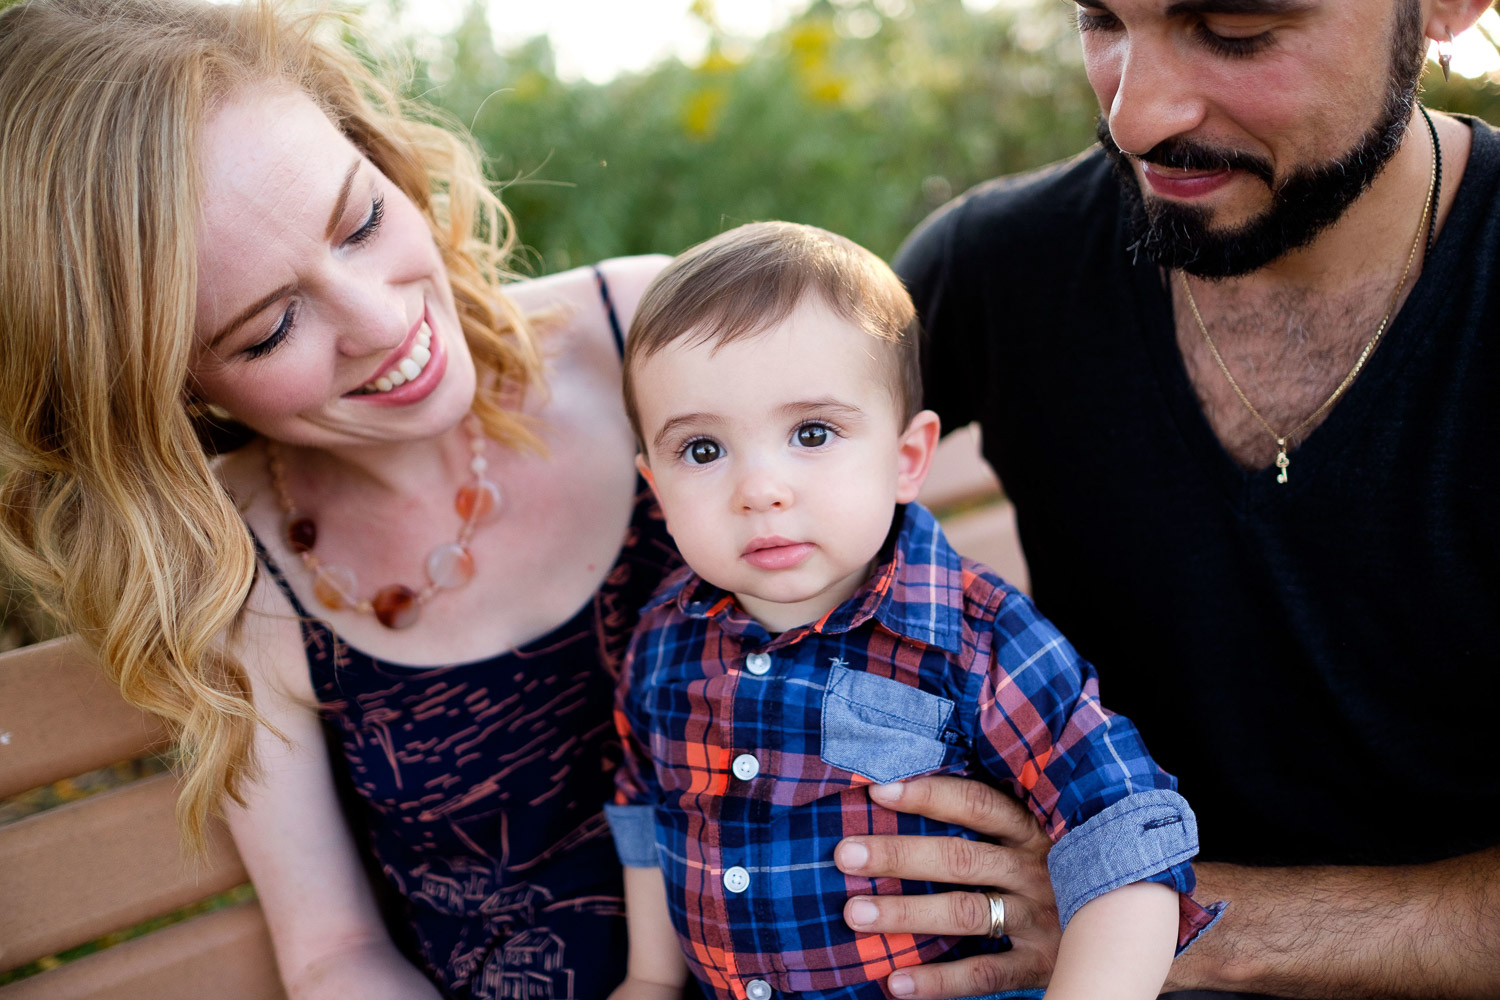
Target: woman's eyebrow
{"x":342,"y":201}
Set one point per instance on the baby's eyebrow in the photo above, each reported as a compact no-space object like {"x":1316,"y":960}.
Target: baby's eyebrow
{"x":670,"y":427}
{"x":826,"y":406}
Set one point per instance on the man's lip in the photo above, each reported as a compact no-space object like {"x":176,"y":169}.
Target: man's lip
{"x":1170,"y":182}
{"x":401,"y":350}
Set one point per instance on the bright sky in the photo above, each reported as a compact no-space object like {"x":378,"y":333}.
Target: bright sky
{"x":599,"y":39}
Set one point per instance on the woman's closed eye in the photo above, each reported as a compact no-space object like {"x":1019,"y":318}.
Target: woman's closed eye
{"x":371,"y":225}
{"x":278,"y":335}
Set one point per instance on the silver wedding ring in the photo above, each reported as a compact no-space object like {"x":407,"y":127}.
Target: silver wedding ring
{"x":997,"y":913}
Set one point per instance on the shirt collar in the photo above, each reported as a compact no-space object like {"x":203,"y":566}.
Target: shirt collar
{"x":916,"y":591}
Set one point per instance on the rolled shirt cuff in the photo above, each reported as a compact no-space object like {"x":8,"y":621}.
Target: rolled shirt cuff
{"x":634,"y":830}
{"x":1149,"y":836}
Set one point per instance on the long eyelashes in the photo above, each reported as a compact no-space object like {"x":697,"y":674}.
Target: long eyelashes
{"x":277,"y":337}
{"x":371,"y":226}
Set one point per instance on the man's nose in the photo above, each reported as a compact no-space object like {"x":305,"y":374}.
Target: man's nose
{"x":1156,"y":95}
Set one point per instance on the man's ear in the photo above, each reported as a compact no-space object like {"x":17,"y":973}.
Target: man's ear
{"x":1455,"y":16}
{"x":918,"y":442}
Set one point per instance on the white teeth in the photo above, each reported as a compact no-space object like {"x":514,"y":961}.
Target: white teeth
{"x":406,"y":369}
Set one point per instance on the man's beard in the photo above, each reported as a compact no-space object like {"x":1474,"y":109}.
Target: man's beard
{"x":1303,"y":204}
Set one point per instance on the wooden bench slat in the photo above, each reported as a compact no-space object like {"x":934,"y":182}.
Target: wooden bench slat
{"x":958,"y":474}
{"x":60,"y":717}
{"x":110,"y":861}
{"x":225,"y":955}
{"x":988,"y":534}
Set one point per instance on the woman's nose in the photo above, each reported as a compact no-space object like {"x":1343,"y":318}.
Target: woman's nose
{"x":374,"y":317}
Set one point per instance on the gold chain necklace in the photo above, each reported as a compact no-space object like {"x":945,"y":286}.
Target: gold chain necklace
{"x":1282,"y":461}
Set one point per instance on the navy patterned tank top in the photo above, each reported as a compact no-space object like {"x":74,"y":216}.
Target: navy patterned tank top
{"x":476,"y":790}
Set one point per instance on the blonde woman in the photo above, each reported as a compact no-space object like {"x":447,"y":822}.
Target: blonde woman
{"x":402,"y":600}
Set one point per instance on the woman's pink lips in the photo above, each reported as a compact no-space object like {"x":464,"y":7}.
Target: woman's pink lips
{"x":418,"y":388}
{"x":775,"y":553}
{"x":1182,"y":183}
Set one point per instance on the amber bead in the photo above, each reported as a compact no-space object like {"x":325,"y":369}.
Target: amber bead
{"x":450,"y":566}
{"x":301,"y":534}
{"x":334,"y":587}
{"x":396,"y":606}
{"x":478,"y":502}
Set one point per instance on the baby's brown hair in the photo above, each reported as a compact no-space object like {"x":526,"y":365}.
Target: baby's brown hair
{"x":746,"y":280}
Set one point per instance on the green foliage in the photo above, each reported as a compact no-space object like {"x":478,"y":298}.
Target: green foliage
{"x":863,"y":135}
{"x":849,"y":117}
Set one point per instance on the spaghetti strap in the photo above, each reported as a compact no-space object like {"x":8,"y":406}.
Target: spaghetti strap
{"x":265,"y":560}
{"x":609,"y":309}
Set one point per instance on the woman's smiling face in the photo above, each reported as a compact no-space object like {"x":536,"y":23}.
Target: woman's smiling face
{"x":324,"y":312}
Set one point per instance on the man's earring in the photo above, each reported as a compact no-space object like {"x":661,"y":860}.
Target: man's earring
{"x":1445,"y":55}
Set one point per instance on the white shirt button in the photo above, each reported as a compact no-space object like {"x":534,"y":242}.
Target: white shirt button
{"x":758,"y":989}
{"x":736,"y":879}
{"x":758,"y":663}
{"x":745,"y":766}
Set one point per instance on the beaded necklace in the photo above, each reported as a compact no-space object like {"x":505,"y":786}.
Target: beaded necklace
{"x":449,"y":565}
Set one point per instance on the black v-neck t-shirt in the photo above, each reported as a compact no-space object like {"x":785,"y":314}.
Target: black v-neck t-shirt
{"x":1315,"y":661}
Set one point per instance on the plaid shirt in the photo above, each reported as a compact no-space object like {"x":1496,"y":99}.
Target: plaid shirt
{"x":748,"y":757}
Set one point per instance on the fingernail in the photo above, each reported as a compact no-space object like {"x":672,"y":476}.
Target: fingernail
{"x":900,"y":984}
{"x":852,"y":855}
{"x":862,"y":913}
{"x":886,"y":793}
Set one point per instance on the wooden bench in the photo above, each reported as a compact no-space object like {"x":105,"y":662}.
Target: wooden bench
{"x":110,"y":861}
{"x":80,"y":871}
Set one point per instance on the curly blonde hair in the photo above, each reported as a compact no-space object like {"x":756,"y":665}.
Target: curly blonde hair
{"x":109,"y":506}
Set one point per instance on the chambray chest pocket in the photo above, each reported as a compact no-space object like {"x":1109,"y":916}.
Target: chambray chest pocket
{"x":880,"y":728}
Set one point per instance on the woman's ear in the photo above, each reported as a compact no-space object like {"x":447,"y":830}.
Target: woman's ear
{"x":918,"y":442}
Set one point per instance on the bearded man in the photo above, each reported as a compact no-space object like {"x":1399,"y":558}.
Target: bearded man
{"x":1238,"y":372}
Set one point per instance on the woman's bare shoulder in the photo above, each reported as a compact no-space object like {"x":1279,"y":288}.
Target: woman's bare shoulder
{"x":570,"y":305}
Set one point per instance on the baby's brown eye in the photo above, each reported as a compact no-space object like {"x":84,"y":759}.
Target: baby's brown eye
{"x":702,"y":452}
{"x":812,"y":435}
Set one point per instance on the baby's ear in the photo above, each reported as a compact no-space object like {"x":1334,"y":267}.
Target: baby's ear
{"x":644,"y":468}
{"x":918,"y":442}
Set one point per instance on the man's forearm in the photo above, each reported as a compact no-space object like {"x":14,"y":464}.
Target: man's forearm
{"x":1421,"y":931}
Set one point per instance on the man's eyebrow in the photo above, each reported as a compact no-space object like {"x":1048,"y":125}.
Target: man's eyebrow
{"x":342,"y":200}
{"x":1236,"y":7}
{"x":249,"y":311}
{"x":670,"y":427}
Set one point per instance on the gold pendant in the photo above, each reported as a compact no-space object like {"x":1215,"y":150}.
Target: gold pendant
{"x":1281,"y":460}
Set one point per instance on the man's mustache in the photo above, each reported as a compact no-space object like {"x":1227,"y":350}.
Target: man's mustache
{"x":1185,"y":154}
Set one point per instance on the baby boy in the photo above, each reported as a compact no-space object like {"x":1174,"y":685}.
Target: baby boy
{"x":824,"y":637}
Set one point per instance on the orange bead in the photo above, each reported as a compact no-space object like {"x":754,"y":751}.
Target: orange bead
{"x":333,"y":586}
{"x":450,"y":566}
{"x":396,"y":606}
{"x":478,"y":502}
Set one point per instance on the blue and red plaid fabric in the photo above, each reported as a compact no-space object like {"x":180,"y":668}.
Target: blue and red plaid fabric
{"x":748,"y":756}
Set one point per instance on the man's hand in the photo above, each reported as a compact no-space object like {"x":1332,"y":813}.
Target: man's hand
{"x":1015,"y":862}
